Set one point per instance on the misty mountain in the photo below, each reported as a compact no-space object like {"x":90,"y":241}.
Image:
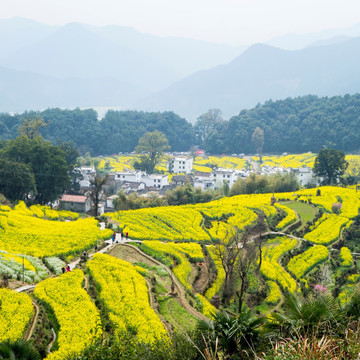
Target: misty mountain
{"x":18,"y":32}
{"x":184,"y":56}
{"x":23,"y":90}
{"x":331,"y":41}
{"x":73,"y":51}
{"x":261,"y":73}
{"x":300,"y":41}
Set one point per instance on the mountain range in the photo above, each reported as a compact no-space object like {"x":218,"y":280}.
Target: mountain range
{"x":114,"y":66}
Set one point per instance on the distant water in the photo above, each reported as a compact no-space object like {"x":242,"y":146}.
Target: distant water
{"x":102,"y":110}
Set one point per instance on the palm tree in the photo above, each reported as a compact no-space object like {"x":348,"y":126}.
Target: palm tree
{"x":234,"y":334}
{"x":306,"y":317}
{"x":18,"y":350}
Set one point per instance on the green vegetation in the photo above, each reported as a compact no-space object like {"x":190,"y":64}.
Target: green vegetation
{"x":305,"y":211}
{"x":291,"y":126}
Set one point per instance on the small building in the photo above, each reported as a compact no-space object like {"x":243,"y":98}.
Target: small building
{"x":131,"y":176}
{"x":304,"y":175}
{"x":221,"y":176}
{"x":155,"y":181}
{"x":179,"y":180}
{"x":88,"y":173}
{"x":180,"y":164}
{"x":76,"y":203}
{"x":110,"y":201}
{"x":203,"y":180}
{"x":129,"y":186}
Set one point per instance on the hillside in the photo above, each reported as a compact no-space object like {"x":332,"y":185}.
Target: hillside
{"x":160,"y":286}
{"x":296,"y":125}
{"x":261,"y":73}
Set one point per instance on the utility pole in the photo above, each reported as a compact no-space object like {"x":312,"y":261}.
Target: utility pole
{"x":23,"y":268}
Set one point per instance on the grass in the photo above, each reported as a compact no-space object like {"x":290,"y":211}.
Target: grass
{"x":305,"y":211}
{"x":176,"y":315}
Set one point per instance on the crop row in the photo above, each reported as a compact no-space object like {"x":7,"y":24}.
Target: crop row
{"x":186,"y":222}
{"x":270,"y":267}
{"x":182,"y":269}
{"x":12,"y":266}
{"x":346,"y":257}
{"x":301,"y":264}
{"x":77,"y":316}
{"x":274,"y":295}
{"x":216,"y":286}
{"x":24,"y":234}
{"x":289,"y":218}
{"x":16,"y":311}
{"x":327,"y":231}
{"x":125,"y":295}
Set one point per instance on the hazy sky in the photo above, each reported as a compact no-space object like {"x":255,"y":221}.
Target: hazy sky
{"x":230,"y":21}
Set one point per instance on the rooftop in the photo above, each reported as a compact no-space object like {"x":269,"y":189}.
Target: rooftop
{"x":74,"y":198}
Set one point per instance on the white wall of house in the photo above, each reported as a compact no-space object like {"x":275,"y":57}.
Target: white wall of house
{"x":88,"y":173}
{"x":220,"y":176}
{"x":203,"y":184}
{"x":181,"y":165}
{"x":304,"y":176}
{"x":154,"y":180}
{"x":131,"y":176}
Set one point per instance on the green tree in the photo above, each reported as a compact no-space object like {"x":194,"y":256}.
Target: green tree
{"x":31,"y":127}
{"x":330,"y":164}
{"x":206,"y":123}
{"x":257,"y":139}
{"x":17,"y":181}
{"x":47,"y":163}
{"x":152,"y":147}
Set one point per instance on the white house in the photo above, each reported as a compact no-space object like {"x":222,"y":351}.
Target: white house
{"x":203,"y":180}
{"x":155,"y":180}
{"x":181,"y":164}
{"x":304,"y":175}
{"x":131,"y":176}
{"x":221,"y":176}
{"x":88,"y":173}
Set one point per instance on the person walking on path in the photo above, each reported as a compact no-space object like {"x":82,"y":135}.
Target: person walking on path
{"x":68,"y":268}
{"x":95,"y":248}
{"x":127,"y":235}
{"x":121,"y":235}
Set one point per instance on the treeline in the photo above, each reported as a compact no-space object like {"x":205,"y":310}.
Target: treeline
{"x":118,"y":131}
{"x":297,"y":125}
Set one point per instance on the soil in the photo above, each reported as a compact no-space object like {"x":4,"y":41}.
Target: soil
{"x":202,"y":282}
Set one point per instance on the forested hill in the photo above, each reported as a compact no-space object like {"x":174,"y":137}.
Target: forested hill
{"x":118,"y":131}
{"x":293,"y":125}
{"x":296,"y":125}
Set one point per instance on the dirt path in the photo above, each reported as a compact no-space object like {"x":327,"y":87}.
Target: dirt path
{"x":201,"y":283}
{"x":179,"y":289}
{"x":33,"y":322}
{"x":48,"y":349}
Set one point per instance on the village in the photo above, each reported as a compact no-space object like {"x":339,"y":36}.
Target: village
{"x":181,"y":168}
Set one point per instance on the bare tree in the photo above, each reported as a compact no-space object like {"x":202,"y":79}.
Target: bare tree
{"x":227,"y":252}
{"x":237,"y":253}
{"x":246,"y":260}
{"x":95,"y":193}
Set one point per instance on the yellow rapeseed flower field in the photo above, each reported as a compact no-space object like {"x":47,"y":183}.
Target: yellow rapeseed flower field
{"x":16,"y":311}
{"x":77,"y":315}
{"x":23,"y":233}
{"x":125,"y":295}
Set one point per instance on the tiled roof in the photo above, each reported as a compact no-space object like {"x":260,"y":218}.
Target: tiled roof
{"x":74,"y":198}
